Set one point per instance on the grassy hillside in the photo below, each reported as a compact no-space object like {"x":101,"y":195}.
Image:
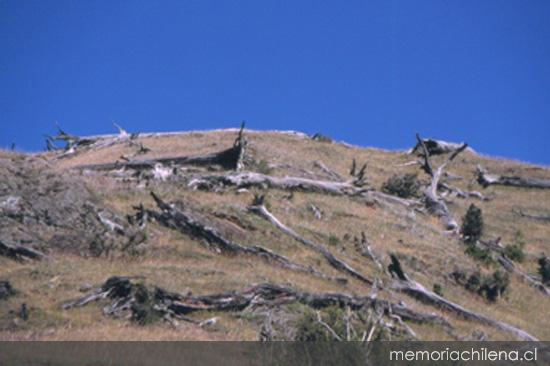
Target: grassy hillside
{"x":182,"y":263}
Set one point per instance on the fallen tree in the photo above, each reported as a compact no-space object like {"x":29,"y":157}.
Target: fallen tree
{"x":19,"y":252}
{"x":354,"y":186}
{"x":460,"y":193}
{"x":486,"y":179}
{"x":435,"y":204}
{"x":435,"y":147}
{"x":259,"y":208}
{"x":543,"y":218}
{"x":506,"y":263}
{"x":363,"y":247}
{"x":406,"y":285}
{"x":74,"y":143}
{"x":179,"y":219}
{"x":144,"y":304}
{"x":233,"y":158}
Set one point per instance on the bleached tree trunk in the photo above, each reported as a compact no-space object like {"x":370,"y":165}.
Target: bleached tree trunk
{"x":486,"y":179}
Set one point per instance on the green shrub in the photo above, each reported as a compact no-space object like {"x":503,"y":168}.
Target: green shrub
{"x":472,"y":224}
{"x":474,"y":282}
{"x":402,"y":185}
{"x":438,"y":289}
{"x":489,"y":286}
{"x":544,"y":269}
{"x":514,"y":251}
{"x":479,"y":254}
{"x":494,"y":286}
{"x":309,"y":329}
{"x":333,"y":240}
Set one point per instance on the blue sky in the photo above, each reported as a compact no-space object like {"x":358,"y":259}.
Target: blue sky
{"x":368,"y":72}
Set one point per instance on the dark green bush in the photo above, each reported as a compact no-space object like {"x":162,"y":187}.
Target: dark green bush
{"x":489,"y":286}
{"x":472,"y":224}
{"x":438,"y":289}
{"x":333,"y":240}
{"x":494,"y":286}
{"x":514,"y":251}
{"x":309,"y":329}
{"x":479,"y":254}
{"x":402,"y":185}
{"x":474,"y":282}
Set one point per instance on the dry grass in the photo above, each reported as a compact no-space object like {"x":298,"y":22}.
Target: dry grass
{"x":180,"y":263}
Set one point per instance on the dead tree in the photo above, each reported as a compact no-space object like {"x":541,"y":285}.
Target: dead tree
{"x":184,"y":221}
{"x":364,"y":248}
{"x":435,"y":147}
{"x":435,"y":204}
{"x":74,"y":143}
{"x":19,"y":252}
{"x":329,"y":172}
{"x":71,"y":141}
{"x":542,"y":218}
{"x":6,"y":290}
{"x":354,"y":186}
{"x":506,"y":263}
{"x":258,"y":208}
{"x":416,"y":290}
{"x":395,"y":269}
{"x":460,"y":193}
{"x":233,"y":158}
{"x":125,"y":293}
{"x":486,"y":179}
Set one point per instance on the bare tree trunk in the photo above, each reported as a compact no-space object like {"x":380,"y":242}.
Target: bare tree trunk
{"x":329,"y":172}
{"x":19,"y":252}
{"x":364,"y":248}
{"x":435,"y":147}
{"x":543,"y":218}
{"x":266,"y":295}
{"x":339,"y":264}
{"x":414,"y":289}
{"x":460,"y":193}
{"x":509,"y":266}
{"x":249,"y":179}
{"x":433,"y":202}
{"x":486,"y":179}
{"x":233,"y":158}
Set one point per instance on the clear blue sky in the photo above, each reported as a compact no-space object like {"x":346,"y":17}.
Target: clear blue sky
{"x":368,"y":72}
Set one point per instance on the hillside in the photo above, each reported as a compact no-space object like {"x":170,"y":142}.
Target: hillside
{"x":266,"y":235}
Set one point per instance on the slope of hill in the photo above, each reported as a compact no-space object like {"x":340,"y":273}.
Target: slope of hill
{"x":266,"y":235}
